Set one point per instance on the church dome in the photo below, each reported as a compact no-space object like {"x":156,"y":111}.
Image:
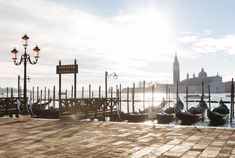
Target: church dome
{"x":202,"y":74}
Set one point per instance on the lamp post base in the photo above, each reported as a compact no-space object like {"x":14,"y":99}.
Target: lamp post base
{"x":24,"y":118}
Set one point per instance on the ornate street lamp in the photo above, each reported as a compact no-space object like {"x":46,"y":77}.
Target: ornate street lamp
{"x":24,"y":59}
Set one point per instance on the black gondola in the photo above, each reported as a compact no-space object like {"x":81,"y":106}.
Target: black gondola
{"x":143,"y":115}
{"x":219,"y":115}
{"x":168,"y":115}
{"x":50,"y":113}
{"x":39,"y":111}
{"x":193,"y":115}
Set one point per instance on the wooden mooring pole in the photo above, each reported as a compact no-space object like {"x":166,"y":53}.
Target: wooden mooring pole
{"x":49,"y":94}
{"x":72,"y":92}
{"x":133,"y":98}
{"x":209,"y":93}
{"x":169,"y":96}
{"x":177,"y":92}
{"x":89,"y":91}
{"x":82,"y":92}
{"x":117,"y":96}
{"x":99,"y":91}
{"x":202,"y":90}
{"x":41,"y":96}
{"x":75,"y":81}
{"x":54,"y":96}
{"x":166,"y":93}
{"x":187,"y":97}
{"x":153,"y":95}
{"x":45,"y":93}
{"x":144,"y":94}
{"x":111,"y":102}
{"x":37,"y":93}
{"x":60,"y":102}
{"x":7,"y":92}
{"x":12,"y":95}
{"x":232,"y":102}
{"x":127,"y":100}
{"x":120,"y":96}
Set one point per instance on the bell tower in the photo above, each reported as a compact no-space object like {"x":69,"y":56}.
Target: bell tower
{"x":176,"y":70}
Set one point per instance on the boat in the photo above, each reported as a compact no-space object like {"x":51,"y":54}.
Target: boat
{"x":135,"y":117}
{"x":168,"y":115}
{"x":40,"y":111}
{"x":145,"y":114}
{"x":42,"y":105}
{"x":219,"y":115}
{"x":193,"y":115}
{"x":154,"y":108}
{"x":50,"y":113}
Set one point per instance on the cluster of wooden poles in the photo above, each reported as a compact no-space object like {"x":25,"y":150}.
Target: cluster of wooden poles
{"x":47,"y":95}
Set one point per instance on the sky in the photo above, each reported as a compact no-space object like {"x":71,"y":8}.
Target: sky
{"x":137,"y":39}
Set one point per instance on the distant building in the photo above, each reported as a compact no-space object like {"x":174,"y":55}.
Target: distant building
{"x":176,"y":70}
{"x":195,"y":83}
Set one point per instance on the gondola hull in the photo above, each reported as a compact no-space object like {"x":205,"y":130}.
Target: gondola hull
{"x":165,"y":118}
{"x":51,"y":113}
{"x":136,"y":117}
{"x":187,"y":118}
{"x":216,"y":118}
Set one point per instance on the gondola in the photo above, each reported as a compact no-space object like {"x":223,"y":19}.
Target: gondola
{"x":168,"y":115}
{"x":39,"y":111}
{"x":154,"y":108}
{"x":42,"y":105}
{"x":193,"y":115}
{"x":219,"y":115}
{"x":50,"y":113}
{"x":135,"y":117}
{"x":143,"y":115}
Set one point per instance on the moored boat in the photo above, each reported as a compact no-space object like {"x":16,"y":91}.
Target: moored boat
{"x":219,"y":115}
{"x":145,"y":114}
{"x":40,"y":111}
{"x":168,"y":115}
{"x":193,"y":115}
{"x":50,"y":113}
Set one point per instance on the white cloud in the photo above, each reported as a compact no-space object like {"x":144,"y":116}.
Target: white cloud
{"x":187,"y":39}
{"x":224,"y":44}
{"x":207,"y":44}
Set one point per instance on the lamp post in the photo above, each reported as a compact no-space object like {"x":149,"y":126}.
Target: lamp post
{"x":25,"y":57}
{"x":114,"y":75}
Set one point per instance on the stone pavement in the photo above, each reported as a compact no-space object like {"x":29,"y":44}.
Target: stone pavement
{"x":56,"y":139}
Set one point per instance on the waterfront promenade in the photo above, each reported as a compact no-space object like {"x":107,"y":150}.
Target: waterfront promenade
{"x":39,"y":138}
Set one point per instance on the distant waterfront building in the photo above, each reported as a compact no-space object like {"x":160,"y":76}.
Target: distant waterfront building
{"x":195,"y":83}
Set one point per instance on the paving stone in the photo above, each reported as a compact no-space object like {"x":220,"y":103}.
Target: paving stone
{"x":209,"y":153}
{"x":55,"y":139}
